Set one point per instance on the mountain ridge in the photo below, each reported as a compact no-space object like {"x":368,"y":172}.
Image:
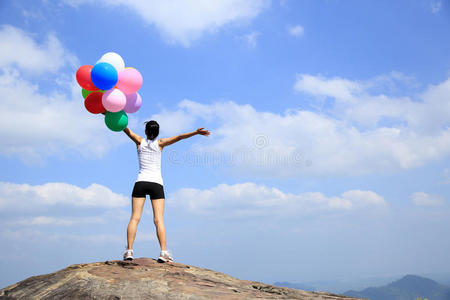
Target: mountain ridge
{"x":146,"y":278}
{"x":408,"y":287}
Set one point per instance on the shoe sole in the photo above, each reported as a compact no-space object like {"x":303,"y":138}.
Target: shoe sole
{"x":161,"y":259}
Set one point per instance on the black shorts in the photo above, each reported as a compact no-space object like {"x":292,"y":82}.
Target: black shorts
{"x":143,"y":188}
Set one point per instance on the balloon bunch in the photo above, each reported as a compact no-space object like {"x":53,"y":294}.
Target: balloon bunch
{"x":110,"y":88}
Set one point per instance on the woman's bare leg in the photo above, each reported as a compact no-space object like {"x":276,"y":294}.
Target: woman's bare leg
{"x":158,"y":212}
{"x":137,"y":206}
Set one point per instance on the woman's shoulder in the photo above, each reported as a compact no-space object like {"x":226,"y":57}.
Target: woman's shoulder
{"x":142,"y":143}
{"x":157,"y":143}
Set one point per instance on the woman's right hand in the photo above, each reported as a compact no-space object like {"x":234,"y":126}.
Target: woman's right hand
{"x":202,"y":132}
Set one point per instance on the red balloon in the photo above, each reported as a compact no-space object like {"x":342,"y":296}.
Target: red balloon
{"x":93,"y":103}
{"x":84,"y":78}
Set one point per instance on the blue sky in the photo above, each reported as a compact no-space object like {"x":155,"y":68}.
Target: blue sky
{"x":329,"y":145}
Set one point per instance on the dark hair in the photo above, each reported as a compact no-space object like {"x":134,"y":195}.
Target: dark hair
{"x":151,"y":129}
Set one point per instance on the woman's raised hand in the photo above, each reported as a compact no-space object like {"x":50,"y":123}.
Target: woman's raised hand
{"x":202,"y":132}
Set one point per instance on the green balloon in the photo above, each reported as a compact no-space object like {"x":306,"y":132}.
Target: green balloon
{"x":116,"y":121}
{"x":85,"y":93}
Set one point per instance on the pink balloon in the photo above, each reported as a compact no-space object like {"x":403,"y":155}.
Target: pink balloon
{"x":130,"y":80}
{"x":114,"y":100}
{"x":134,"y":102}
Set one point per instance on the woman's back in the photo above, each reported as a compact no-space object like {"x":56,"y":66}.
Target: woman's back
{"x":149,"y":155}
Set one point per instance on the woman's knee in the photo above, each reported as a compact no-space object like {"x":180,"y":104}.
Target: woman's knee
{"x":158,"y":221}
{"x":135,"y":219}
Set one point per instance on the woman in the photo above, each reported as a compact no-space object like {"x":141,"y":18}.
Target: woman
{"x":149,"y":181}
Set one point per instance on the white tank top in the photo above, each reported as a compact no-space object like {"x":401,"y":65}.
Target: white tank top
{"x":149,"y":155}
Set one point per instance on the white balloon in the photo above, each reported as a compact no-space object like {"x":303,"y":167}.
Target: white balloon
{"x":114,"y":59}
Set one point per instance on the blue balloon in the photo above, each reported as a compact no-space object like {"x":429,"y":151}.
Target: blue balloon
{"x":104,"y":76}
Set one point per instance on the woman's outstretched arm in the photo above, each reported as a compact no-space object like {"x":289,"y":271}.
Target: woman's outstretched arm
{"x":169,"y":141}
{"x":135,"y":137}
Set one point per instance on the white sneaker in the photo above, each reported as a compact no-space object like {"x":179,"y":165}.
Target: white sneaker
{"x":165,"y":256}
{"x":128,"y":255}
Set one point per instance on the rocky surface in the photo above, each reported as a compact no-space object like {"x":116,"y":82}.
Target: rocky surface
{"x":145,"y":278}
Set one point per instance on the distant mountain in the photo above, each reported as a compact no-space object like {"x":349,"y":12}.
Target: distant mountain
{"x":340,"y":285}
{"x":299,"y":286}
{"x":410,"y":287}
{"x":440,"y":277}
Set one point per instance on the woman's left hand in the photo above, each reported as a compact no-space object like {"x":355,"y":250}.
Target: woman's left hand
{"x":202,"y":132}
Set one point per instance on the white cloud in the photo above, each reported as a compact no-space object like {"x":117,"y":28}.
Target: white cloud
{"x":436,"y":6}
{"x":183,"y":21}
{"x":57,"y":221}
{"x":425,"y":199}
{"x":250,"y":199}
{"x":360,"y":198}
{"x":339,"y":88}
{"x":111,"y":214}
{"x":251,"y":39}
{"x":37,"y":124}
{"x":356,"y":104}
{"x":361,"y":132}
{"x":19,"y":49}
{"x":296,"y":30}
{"x":347,"y":90}
{"x":32,"y":197}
